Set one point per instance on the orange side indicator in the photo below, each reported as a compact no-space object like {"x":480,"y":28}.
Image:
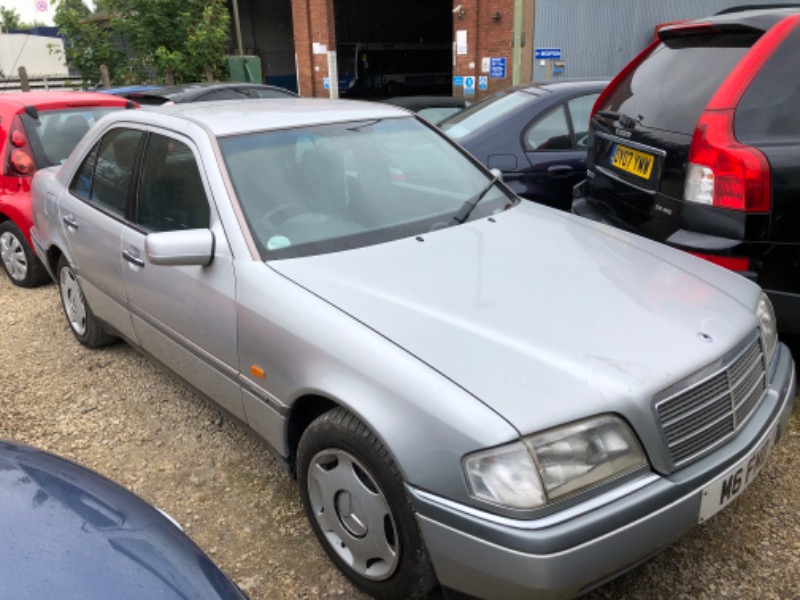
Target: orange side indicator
{"x":257,"y":371}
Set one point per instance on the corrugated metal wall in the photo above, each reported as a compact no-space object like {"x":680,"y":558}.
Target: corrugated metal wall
{"x":599,"y":37}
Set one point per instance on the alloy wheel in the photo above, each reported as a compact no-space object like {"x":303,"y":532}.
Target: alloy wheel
{"x":13,"y":255}
{"x":72,"y":298}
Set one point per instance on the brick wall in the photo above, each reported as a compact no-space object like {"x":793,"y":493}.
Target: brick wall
{"x":489,"y":25}
{"x":313,"y":23}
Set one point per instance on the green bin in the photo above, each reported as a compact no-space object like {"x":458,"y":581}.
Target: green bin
{"x":245,"y":68}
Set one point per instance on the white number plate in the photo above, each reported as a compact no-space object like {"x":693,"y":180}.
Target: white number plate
{"x":726,"y":488}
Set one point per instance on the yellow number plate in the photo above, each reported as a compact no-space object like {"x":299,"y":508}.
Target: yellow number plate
{"x":632,"y":161}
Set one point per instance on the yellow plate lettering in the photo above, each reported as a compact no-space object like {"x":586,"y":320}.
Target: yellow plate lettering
{"x":632,"y":161}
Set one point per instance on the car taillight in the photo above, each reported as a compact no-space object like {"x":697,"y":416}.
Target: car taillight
{"x":722,"y":171}
{"x":733,"y":263}
{"x":19,"y":159}
{"x":22,"y":163}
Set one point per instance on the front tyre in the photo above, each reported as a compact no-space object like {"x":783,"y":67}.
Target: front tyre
{"x":353,"y":495}
{"x":85,"y":326}
{"x":21,"y":265}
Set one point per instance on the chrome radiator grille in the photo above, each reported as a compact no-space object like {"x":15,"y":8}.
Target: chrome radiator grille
{"x":698,"y":418}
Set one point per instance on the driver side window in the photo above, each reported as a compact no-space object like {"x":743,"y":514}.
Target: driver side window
{"x":171,"y":194}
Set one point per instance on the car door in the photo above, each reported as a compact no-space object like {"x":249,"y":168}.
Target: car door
{"x":93,"y":215}
{"x":185,"y":316}
{"x":555,"y":145}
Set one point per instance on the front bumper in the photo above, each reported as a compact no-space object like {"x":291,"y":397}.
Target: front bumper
{"x":487,"y":556}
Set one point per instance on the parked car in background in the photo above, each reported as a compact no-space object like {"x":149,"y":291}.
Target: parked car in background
{"x":337,"y":275}
{"x":535,"y":134}
{"x":37,"y":130}
{"x":205,"y":92}
{"x":433,"y":109}
{"x":695,"y":144}
{"x":71,"y":533}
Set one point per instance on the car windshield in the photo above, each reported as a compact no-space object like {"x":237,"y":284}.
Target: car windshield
{"x":55,"y":134}
{"x":328,"y":188}
{"x":478,"y":115}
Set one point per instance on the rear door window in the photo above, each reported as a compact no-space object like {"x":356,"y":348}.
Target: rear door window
{"x":104,"y":178}
{"x":672,"y":86}
{"x":769,"y":111}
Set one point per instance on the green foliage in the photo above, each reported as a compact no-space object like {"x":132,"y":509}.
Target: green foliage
{"x":88,"y":42}
{"x":164,"y":40}
{"x":10,"y":19}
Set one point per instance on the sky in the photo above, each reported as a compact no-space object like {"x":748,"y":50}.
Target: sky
{"x":40,"y":11}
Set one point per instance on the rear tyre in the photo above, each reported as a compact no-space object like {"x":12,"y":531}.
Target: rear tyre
{"x":20,"y":263}
{"x":354,"y":497}
{"x":85,"y":326}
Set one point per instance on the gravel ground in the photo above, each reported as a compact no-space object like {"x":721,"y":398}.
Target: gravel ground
{"x":116,"y":412}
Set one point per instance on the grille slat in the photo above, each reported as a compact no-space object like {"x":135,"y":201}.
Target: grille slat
{"x":700,"y":417}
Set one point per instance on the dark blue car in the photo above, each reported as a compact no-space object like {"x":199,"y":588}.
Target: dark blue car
{"x":68,"y":532}
{"x":535,"y":134}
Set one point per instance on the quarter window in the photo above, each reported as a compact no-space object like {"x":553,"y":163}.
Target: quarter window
{"x":551,"y":132}
{"x":580,"y":109}
{"x":171,"y":194}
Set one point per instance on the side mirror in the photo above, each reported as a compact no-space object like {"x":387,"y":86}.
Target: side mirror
{"x":180,"y":248}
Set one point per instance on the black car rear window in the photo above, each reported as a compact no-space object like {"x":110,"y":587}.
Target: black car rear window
{"x":770,"y":108}
{"x":673,"y":85}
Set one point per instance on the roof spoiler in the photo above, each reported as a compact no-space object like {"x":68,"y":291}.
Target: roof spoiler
{"x":744,"y":7}
{"x":32,"y":112}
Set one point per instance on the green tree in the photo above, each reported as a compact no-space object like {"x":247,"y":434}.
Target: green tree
{"x":164,"y":40}
{"x":88,"y":41}
{"x":10,"y":19}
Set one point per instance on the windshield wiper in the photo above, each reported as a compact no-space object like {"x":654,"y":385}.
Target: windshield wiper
{"x":466,"y":209}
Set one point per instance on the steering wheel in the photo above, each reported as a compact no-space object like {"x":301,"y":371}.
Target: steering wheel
{"x":278,"y":215}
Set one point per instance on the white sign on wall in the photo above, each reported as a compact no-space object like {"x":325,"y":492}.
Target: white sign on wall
{"x":461,"y":41}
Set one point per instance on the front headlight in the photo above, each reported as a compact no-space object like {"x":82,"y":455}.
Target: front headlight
{"x":769,"y":326}
{"x":550,"y":465}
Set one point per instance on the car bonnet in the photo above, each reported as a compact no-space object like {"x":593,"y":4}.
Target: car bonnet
{"x":70,"y":533}
{"x":544,"y":317}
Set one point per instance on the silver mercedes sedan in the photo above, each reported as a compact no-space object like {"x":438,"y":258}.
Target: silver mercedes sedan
{"x":472,"y":390}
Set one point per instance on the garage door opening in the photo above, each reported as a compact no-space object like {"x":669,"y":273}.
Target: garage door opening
{"x":388,"y":48}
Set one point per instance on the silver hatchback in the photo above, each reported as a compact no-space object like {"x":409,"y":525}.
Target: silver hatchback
{"x":470,"y":389}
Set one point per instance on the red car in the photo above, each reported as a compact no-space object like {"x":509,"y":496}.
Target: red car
{"x":37,"y":130}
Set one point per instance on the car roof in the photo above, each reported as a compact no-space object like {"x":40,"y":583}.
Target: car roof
{"x":230,"y":117}
{"x":61,"y":99}
{"x":171,"y":92}
{"x":418,"y":102}
{"x":559,"y":86}
{"x":752,"y":17}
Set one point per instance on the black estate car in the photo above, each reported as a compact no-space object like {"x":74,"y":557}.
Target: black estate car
{"x":696,"y":143}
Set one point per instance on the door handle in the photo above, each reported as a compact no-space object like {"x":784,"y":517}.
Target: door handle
{"x":560,"y":169}
{"x":70,"y":222}
{"x":132,"y":258}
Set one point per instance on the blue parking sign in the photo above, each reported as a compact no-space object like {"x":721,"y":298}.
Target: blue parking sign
{"x":497,"y":68}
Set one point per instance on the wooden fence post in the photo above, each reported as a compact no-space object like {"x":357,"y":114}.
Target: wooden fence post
{"x":104,"y":76}
{"x":24,"y":84}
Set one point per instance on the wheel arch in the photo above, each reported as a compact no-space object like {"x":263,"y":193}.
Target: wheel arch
{"x":305,"y":410}
{"x":52,"y":257}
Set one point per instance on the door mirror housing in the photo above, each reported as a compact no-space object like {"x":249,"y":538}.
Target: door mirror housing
{"x":180,"y":248}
